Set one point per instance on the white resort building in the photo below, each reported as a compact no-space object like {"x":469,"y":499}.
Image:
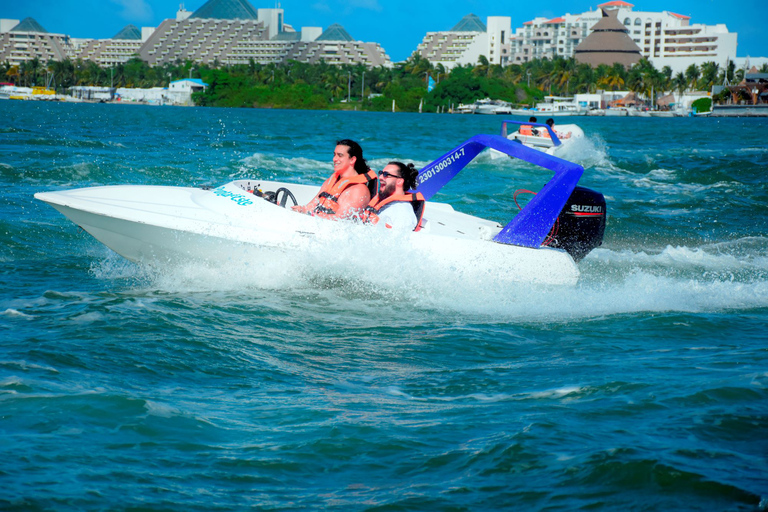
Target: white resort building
{"x":220,"y":31}
{"x":467,"y":41}
{"x":107,"y":52}
{"x":26,"y":40}
{"x":665,"y":38}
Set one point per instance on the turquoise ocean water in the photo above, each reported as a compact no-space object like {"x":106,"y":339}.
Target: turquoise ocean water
{"x":385,"y":385}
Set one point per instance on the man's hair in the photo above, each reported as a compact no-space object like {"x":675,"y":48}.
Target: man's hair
{"x":409,"y":174}
{"x":550,"y":122}
{"x":354,"y":150}
{"x":532,"y":119}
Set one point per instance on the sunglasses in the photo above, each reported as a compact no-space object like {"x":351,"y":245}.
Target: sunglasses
{"x":387,"y":175}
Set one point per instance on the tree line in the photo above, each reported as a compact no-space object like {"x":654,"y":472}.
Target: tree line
{"x":321,"y":86}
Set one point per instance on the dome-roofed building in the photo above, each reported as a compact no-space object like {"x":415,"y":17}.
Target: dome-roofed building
{"x":226,"y":10}
{"x":28,"y":40}
{"x":336,"y":46}
{"x":665,"y":38}
{"x":609,"y":43}
{"x":467,"y":41}
{"x":108,"y":52}
{"x":233,"y":32}
{"x":335,"y":33}
{"x":470,"y":23}
{"x":129,"y":32}
{"x":29,"y":25}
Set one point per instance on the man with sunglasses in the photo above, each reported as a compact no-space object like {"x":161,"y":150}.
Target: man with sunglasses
{"x":393,"y":206}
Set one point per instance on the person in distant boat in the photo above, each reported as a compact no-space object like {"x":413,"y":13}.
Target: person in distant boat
{"x":348,"y":190}
{"x":551,"y":123}
{"x":527,"y":129}
{"x":393,"y":206}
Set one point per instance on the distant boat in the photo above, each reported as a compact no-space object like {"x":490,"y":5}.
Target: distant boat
{"x":492,"y":107}
{"x":663,"y":113}
{"x":485,"y":106}
{"x":12,"y":92}
{"x":551,"y":107}
{"x":540,"y":136}
{"x":617,"y":112}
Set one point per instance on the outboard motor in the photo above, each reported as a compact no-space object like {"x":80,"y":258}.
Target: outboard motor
{"x":581,"y":224}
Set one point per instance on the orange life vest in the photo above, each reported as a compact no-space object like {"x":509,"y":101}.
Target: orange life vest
{"x":526,"y":129}
{"x":371,"y":212}
{"x":328,"y":198}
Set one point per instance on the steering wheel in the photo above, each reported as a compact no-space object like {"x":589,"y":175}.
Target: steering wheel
{"x":286,"y":194}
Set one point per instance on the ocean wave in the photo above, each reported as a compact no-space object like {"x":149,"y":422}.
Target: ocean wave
{"x":14,"y":313}
{"x":26,"y":366}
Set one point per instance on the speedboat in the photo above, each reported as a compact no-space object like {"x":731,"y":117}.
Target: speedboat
{"x":493,"y":107}
{"x":246,"y":219}
{"x":552,"y":106}
{"x":540,"y":136}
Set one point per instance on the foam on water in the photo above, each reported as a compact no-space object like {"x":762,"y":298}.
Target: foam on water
{"x":362,"y":265}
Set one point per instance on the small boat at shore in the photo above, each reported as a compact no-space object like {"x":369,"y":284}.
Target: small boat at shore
{"x":663,"y":113}
{"x":540,"y":136}
{"x":485,"y":106}
{"x":249,"y":218}
{"x":552,"y":106}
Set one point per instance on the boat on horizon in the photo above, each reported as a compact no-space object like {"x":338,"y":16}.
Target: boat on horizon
{"x":539,"y":136}
{"x":246,"y":219}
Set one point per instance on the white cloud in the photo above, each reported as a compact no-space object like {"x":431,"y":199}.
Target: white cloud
{"x":134,"y":10}
{"x":372,"y":5}
{"x":346,"y":7}
{"x":321,"y":6}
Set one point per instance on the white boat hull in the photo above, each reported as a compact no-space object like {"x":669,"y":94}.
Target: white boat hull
{"x":166,"y":225}
{"x":547,"y":113}
{"x":545,"y":144}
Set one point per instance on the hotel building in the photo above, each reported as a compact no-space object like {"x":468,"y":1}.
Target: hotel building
{"x":665,"y":38}
{"x":223,"y":31}
{"x":107,"y":52}
{"x":467,"y":41}
{"x":26,"y":40}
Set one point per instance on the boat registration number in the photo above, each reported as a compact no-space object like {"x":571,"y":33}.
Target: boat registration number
{"x":238,"y":198}
{"x":442,"y":164}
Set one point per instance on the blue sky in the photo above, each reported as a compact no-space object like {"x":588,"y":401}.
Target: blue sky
{"x":398,"y":25}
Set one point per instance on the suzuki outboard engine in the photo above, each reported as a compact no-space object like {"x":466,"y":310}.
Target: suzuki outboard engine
{"x":581,"y":224}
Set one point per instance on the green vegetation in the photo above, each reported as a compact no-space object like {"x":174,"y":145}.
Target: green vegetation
{"x":702,"y":105}
{"x":323,"y":86}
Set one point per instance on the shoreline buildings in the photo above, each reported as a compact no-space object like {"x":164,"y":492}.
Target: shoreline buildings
{"x":234,"y":32}
{"x":665,"y":38}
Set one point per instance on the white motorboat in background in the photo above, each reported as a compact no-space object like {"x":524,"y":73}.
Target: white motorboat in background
{"x":239,"y":221}
{"x":553,"y":106}
{"x":492,"y":107}
{"x":540,"y":136}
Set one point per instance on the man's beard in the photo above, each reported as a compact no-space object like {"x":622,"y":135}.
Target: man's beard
{"x":387,"y":190}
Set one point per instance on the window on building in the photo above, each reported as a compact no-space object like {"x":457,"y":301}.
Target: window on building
{"x":627,"y":21}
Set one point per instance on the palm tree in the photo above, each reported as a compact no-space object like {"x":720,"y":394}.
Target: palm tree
{"x":680,"y":82}
{"x":709,"y":71}
{"x":612,"y":80}
{"x":482,"y":67}
{"x":692,"y":74}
